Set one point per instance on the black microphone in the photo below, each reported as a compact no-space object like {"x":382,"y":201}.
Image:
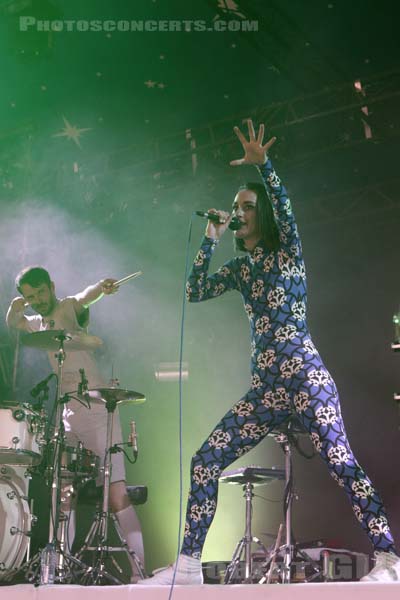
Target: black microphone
{"x":132,"y":439}
{"x":234,"y":225}
{"x":42,"y":385}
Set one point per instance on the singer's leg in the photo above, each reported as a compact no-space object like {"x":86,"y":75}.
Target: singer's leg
{"x":242,"y":428}
{"x":239,"y":431}
{"x":318,"y":409}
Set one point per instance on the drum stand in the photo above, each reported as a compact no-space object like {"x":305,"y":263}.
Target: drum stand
{"x":97,"y":541}
{"x":289,"y":551}
{"x":248,"y":478}
{"x":243,"y":548}
{"x":65,"y":563}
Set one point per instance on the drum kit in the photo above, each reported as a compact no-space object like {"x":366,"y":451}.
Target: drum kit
{"x":30,"y":445}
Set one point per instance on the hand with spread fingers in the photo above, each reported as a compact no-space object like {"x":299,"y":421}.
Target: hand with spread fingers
{"x":255,"y":153}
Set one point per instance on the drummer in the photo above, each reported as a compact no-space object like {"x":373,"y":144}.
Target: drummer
{"x":81,"y":424}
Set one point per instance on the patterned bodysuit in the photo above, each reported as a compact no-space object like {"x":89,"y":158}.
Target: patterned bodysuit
{"x":288,"y":376}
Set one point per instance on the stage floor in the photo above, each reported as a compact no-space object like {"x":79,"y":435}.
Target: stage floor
{"x":300,"y":591}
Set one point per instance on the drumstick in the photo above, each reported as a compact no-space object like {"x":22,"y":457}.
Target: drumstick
{"x":128,"y":277}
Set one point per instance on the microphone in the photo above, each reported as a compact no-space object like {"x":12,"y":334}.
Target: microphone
{"x":234,"y":225}
{"x":83,"y":386}
{"x":132,"y":439}
{"x":42,"y":385}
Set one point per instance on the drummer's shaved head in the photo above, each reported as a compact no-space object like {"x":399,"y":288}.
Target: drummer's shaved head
{"x":34,"y":276}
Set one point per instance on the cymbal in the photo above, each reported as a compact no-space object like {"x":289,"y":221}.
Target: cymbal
{"x":50,"y":340}
{"x":252,"y":474}
{"x":117,"y":394}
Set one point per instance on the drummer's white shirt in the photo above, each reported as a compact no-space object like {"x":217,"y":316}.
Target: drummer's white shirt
{"x":64,"y":316}
{"x":80,"y":423}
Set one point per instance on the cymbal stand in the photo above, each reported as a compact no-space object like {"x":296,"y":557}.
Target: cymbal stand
{"x":58,"y":437}
{"x":33,"y":568}
{"x":243,"y":548}
{"x":96,"y":540}
{"x":289,"y":551}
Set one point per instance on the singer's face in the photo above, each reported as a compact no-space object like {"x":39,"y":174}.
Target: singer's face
{"x":244,"y":208}
{"x":42,"y":299}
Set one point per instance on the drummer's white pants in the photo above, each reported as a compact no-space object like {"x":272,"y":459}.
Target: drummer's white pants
{"x":131,"y":531}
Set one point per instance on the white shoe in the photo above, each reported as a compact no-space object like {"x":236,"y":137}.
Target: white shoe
{"x":387,"y":568}
{"x":188,"y":573}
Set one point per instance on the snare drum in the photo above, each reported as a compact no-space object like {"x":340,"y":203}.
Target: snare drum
{"x":78,"y":462}
{"x":20,"y":435}
{"x":15,"y":518}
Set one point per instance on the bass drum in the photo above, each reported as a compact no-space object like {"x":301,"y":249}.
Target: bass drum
{"x":15,"y":518}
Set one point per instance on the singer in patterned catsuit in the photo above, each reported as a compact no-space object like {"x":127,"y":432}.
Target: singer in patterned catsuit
{"x":288,"y":376}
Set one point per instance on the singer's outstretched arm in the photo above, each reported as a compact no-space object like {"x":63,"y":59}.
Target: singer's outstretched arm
{"x":282,"y":208}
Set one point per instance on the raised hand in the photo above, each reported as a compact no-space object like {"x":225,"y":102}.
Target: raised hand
{"x":255,"y":153}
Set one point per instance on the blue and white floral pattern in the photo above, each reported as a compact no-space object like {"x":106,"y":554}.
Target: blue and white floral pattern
{"x":287,"y":376}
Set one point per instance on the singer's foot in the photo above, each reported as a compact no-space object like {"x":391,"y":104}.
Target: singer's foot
{"x":188,"y":572}
{"x":387,"y":568}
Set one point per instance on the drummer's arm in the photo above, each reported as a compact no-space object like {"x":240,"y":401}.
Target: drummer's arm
{"x":15,"y":317}
{"x":93,"y":293}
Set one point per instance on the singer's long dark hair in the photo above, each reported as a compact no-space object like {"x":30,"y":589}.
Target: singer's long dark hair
{"x":265,"y":218}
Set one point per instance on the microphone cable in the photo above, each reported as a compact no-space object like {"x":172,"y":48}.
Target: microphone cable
{"x":181,"y":339}
{"x":180,"y":403}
